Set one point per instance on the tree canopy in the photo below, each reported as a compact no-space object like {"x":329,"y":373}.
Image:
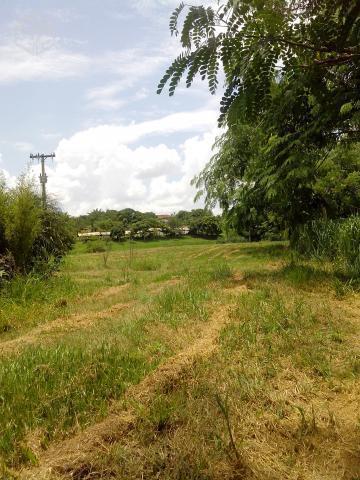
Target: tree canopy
{"x":291,"y":103}
{"x":310,"y":43}
{"x":199,"y":222}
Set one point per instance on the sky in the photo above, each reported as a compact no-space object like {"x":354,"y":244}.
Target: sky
{"x":79,"y":78}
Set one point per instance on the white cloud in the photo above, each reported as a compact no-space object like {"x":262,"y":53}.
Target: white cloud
{"x":130,"y":67}
{"x":42,"y":57}
{"x":23,"y":147}
{"x":19,"y":63}
{"x":141,"y":94}
{"x":195,"y":121}
{"x":10,"y":180}
{"x":103,"y":168}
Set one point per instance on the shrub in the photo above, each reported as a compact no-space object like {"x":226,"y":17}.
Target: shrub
{"x":55,"y":239}
{"x":206,"y":226}
{"x":334,"y":240}
{"x":7,"y":266}
{"x":317,"y":239}
{"x":349,"y":245}
{"x":23,"y":222}
{"x":32,"y":239}
{"x":96,"y":246}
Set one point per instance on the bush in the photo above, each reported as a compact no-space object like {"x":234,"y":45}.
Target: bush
{"x":55,"y":239}
{"x":334,"y":240}
{"x":32,"y":239}
{"x":96,"y":246}
{"x":117,"y":233}
{"x":22,"y":222}
{"x":317,"y":239}
{"x":206,"y":226}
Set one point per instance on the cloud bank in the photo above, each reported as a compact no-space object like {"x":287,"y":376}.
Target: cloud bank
{"x":106,"y":166}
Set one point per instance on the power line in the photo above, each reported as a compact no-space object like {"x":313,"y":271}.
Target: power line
{"x":41,"y":157}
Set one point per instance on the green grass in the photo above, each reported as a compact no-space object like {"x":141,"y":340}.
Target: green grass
{"x":84,"y":247}
{"x":267,"y":391}
{"x":222,"y":271}
{"x":56,"y":388}
{"x":24,"y":302}
{"x":337,"y":241}
{"x":286,"y":345}
{"x":52,"y":389}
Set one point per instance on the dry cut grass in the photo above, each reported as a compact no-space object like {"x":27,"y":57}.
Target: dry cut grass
{"x":247,"y":368}
{"x":277,"y":399}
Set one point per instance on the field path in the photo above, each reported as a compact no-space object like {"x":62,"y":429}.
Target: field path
{"x":77,"y":321}
{"x":61,"y":324}
{"x":69,"y":458}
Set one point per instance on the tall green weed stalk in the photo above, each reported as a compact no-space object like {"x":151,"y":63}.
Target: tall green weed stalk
{"x":334,"y":240}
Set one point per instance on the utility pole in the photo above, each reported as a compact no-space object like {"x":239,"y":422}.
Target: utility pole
{"x":41,"y":157}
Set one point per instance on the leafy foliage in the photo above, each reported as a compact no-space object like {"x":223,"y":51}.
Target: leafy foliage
{"x":291,"y":105}
{"x":144,"y":226}
{"x":99,"y":220}
{"x":118,"y":232}
{"x":206,"y":226}
{"x":55,"y":239}
{"x":23,"y":223}
{"x":337,"y":241}
{"x":31,"y":239}
{"x":257,"y":42}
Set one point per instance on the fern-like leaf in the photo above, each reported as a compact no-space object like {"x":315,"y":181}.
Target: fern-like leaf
{"x":173,"y":25}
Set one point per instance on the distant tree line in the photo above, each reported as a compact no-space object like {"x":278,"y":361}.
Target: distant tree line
{"x":199,"y":222}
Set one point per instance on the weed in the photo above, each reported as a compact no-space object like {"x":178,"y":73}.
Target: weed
{"x":343,"y":288}
{"x":176,"y":305}
{"x":337,"y":241}
{"x":106,"y":253}
{"x":307,"y":424}
{"x":225,"y":411}
{"x":160,"y":413}
{"x":221,"y":271}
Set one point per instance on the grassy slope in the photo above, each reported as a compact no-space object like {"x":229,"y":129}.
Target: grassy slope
{"x":276,"y":399}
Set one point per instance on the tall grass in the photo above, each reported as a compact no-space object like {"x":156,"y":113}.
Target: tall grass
{"x":334,"y":240}
{"x":29,"y":300}
{"x":55,"y":389}
{"x":52,"y":389}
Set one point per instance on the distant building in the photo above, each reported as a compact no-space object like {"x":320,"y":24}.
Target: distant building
{"x":93,"y":234}
{"x":164,"y":217}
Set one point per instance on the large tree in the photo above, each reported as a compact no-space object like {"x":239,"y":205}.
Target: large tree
{"x":291,"y":95}
{"x":312,"y":42}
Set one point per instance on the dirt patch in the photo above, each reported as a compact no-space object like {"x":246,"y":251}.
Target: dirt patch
{"x":66,"y":457}
{"x":237,"y":284}
{"x":110,"y":291}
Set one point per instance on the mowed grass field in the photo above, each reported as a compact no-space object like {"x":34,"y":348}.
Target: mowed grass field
{"x":181,"y":359}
